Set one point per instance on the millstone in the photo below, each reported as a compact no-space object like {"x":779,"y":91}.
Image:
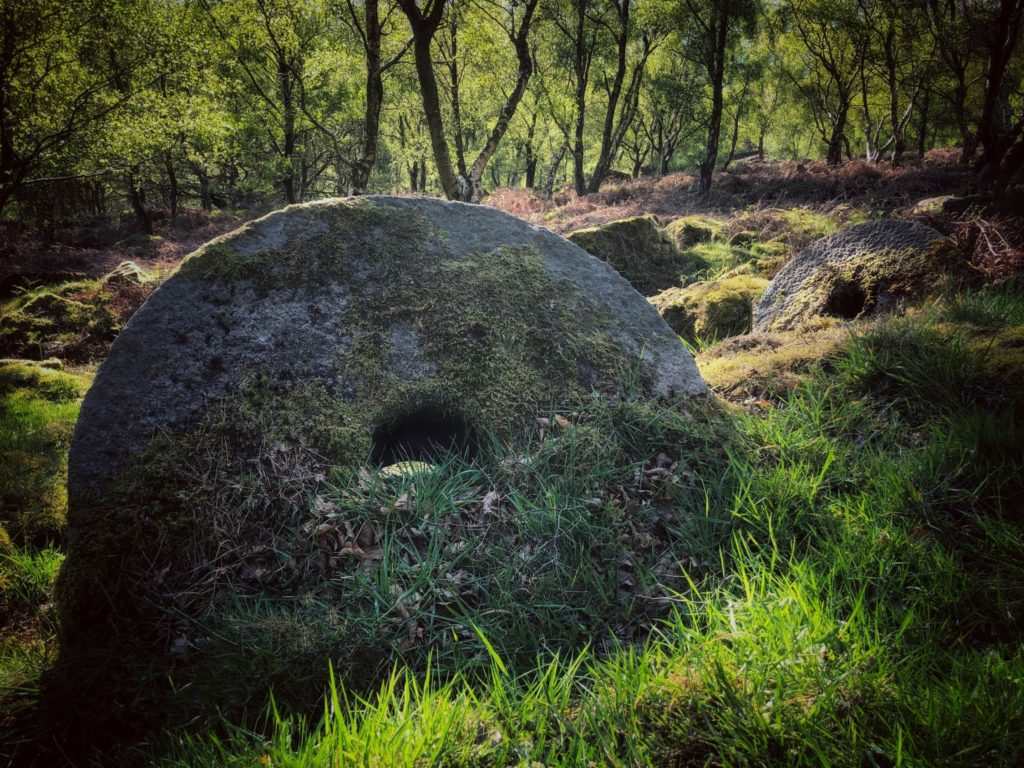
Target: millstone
{"x":862,"y":270}
{"x":332,"y":334}
{"x":385,"y":304}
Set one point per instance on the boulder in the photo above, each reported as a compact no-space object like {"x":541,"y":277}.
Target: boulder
{"x":688,"y":231}
{"x":711,"y":310}
{"x":641,"y":252}
{"x":865,"y":269}
{"x":322,"y":338}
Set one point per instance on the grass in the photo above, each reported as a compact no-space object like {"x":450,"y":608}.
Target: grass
{"x":38,"y":409}
{"x":836,"y":580}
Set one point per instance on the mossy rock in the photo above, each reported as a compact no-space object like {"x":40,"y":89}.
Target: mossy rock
{"x":641,"y":252}
{"x":932,"y":206}
{"x":319,"y":340}
{"x":711,"y":310}
{"x":127,"y":273}
{"x":864,"y":270}
{"x":688,"y":231}
{"x":75,"y":321}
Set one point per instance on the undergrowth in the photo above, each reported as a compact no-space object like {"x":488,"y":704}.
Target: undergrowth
{"x":38,"y":408}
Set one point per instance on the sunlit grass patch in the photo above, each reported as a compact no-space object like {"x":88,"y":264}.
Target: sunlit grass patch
{"x":38,"y":409}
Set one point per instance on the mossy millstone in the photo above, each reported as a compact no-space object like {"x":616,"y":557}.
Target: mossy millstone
{"x":711,"y":310}
{"x":309,"y":335}
{"x":865,"y":269}
{"x":641,"y":251}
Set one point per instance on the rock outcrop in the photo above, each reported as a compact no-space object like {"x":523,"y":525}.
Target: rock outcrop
{"x":711,"y":310}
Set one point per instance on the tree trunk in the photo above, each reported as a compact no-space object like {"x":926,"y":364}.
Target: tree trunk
{"x":995,"y":141}
{"x":837,"y":138}
{"x":452,"y":185}
{"x":363,"y":166}
{"x":172,"y":188}
{"x":581,"y":70}
{"x":284,"y":77}
{"x":530,"y":158}
{"x":205,"y":199}
{"x":607,"y":150}
{"x":461,"y":186}
{"x":137,"y":198}
{"x":549,"y":180}
{"x":716,"y":71}
{"x":922,"y":125}
{"x":508,"y":109}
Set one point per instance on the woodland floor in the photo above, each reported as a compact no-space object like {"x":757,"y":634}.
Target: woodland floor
{"x":850,"y":593}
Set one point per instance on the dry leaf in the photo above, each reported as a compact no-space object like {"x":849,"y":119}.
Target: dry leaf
{"x":491,"y":502}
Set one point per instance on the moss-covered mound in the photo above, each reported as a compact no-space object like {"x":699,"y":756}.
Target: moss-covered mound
{"x":306,"y":347}
{"x":863,"y":270}
{"x":759,"y":366}
{"x":75,"y":321}
{"x":641,"y":252}
{"x":38,"y":408}
{"x":688,"y":231}
{"x":711,"y":310}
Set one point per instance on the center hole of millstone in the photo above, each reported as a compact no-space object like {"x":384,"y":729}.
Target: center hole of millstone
{"x":425,"y":434}
{"x":846,"y":300}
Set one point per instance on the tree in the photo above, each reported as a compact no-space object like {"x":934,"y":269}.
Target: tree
{"x":717,"y":26}
{"x":58,"y":81}
{"x":271,"y":41}
{"x":833,"y":43}
{"x":998,"y":135}
{"x":370,"y":26}
{"x":424,"y":24}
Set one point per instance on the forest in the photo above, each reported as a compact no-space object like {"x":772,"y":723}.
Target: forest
{"x":536,"y":383}
{"x":158,"y":106}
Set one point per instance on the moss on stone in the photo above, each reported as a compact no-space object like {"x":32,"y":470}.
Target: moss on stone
{"x":75,"y":321}
{"x":688,"y":231}
{"x":491,"y":338}
{"x":713,"y":310}
{"x":769,"y":365}
{"x":641,"y":252}
{"x":865,"y":270}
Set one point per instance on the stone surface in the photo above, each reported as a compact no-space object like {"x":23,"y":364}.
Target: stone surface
{"x":641,"y":252}
{"x":688,"y":231}
{"x":358,"y":296}
{"x":865,"y":269}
